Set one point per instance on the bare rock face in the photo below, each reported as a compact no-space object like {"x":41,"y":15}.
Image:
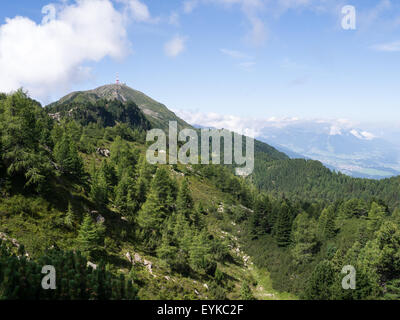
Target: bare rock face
{"x":104,"y":152}
{"x":137,"y":258}
{"x":128,"y":256}
{"x":55,"y":116}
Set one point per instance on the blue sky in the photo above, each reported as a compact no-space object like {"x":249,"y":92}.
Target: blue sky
{"x":248,"y":58}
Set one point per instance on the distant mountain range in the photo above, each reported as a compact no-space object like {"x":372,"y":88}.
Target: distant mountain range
{"x":338,"y":144}
{"x":351,"y":151}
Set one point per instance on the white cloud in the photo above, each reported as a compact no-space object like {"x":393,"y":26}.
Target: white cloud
{"x":140,"y":12}
{"x":190,"y":5}
{"x":255,"y":126}
{"x":243,"y":125}
{"x":175,"y":46}
{"x":214,"y":120}
{"x":51,"y":55}
{"x":258,"y":34}
{"x":235,"y":54}
{"x":246,"y":61}
{"x":388,"y":47}
{"x":174,"y":19}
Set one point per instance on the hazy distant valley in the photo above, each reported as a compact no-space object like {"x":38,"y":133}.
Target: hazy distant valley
{"x":351,"y":151}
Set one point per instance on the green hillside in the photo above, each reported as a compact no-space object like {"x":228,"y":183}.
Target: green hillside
{"x":309,"y":179}
{"x":78,"y":194}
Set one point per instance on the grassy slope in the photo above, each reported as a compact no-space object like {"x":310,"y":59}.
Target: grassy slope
{"x":38,"y":224}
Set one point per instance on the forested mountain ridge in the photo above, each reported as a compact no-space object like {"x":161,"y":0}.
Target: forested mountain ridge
{"x":309,"y":179}
{"x":180,"y":231}
{"x":96,"y":105}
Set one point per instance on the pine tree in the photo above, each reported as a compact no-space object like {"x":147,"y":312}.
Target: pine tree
{"x":109,"y":173}
{"x":304,"y":234}
{"x":98,"y":187}
{"x":165,"y":188}
{"x":125,"y":196}
{"x":200,"y":255}
{"x":184,"y":201}
{"x":159,"y":205}
{"x":245,"y":292}
{"x":260,"y":223}
{"x":69,"y":216}
{"x":326,"y":223}
{"x":89,"y":237}
{"x":319,"y":287}
{"x":66,"y":155}
{"x":22,"y":125}
{"x":393,"y":290}
{"x":283,"y":225}
{"x":376,"y":216}
{"x":396,"y":216}
{"x":150,"y":219}
{"x":141,"y":190}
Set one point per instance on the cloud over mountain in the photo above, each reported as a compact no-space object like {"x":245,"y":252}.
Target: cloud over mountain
{"x":175,"y":46}
{"x":43,"y":57}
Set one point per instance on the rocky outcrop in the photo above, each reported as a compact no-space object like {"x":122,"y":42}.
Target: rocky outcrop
{"x":103,"y":152}
{"x":137,"y":259}
{"x":14,"y":242}
{"x":55,"y":116}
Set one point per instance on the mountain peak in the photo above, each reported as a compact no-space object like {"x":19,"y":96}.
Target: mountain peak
{"x":157,"y":113}
{"x":119,"y":92}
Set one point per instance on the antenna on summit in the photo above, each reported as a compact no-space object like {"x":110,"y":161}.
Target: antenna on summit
{"x":117,"y":81}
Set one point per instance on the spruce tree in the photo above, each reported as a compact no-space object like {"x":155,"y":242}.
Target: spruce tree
{"x":376,"y":216}
{"x":150,"y":219}
{"x":260,"y":220}
{"x":159,"y":205}
{"x":245,"y":292}
{"x":326,"y":223}
{"x":98,"y":187}
{"x":184,"y":201}
{"x":69,"y":216}
{"x":89,"y":237}
{"x":283,"y":225}
{"x":66,"y":155}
